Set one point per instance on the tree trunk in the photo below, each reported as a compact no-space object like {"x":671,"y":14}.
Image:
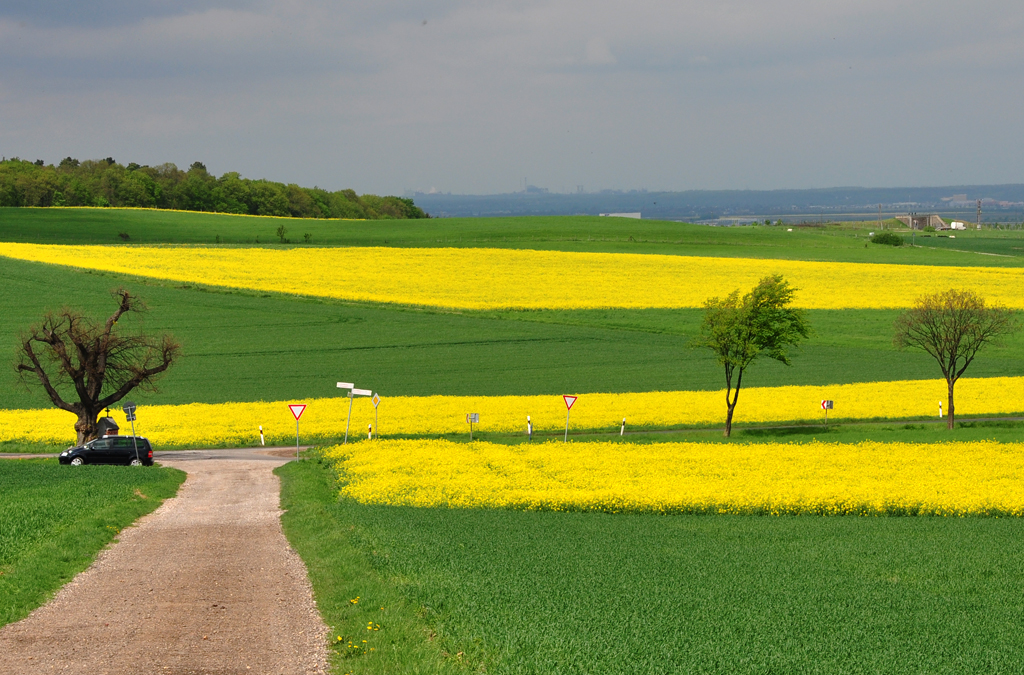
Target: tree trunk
{"x":949,"y":405}
{"x":86,"y":426}
{"x":728,"y":420}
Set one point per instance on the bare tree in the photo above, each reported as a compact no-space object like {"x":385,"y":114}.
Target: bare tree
{"x":97,"y":363}
{"x":952,"y":327}
{"x":739,"y":330}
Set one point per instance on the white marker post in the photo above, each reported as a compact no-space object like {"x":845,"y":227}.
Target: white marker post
{"x":826,"y":406}
{"x":940,"y":410}
{"x":297,"y":410}
{"x":262,"y":440}
{"x":622,"y":431}
{"x":369,"y":432}
{"x":376,"y":420}
{"x":529,"y":428}
{"x":569,"y":400}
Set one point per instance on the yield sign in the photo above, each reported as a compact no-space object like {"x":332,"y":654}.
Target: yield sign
{"x":569,"y":400}
{"x":297,"y":409}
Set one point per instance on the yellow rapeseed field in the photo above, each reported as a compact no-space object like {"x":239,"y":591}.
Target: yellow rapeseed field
{"x":949,"y":479}
{"x":521,"y":279}
{"x":202,"y":424}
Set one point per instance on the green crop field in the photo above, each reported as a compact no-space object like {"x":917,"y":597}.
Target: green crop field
{"x":511,"y":592}
{"x":249,"y":347}
{"x":564,"y":233}
{"x":54,"y":519}
{"x":519,"y":592}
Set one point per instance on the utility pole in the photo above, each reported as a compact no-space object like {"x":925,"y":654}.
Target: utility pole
{"x":979,"y":214}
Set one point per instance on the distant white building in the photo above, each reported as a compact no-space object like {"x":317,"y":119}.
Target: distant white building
{"x":622,"y":215}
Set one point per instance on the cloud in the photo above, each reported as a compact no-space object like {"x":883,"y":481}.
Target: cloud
{"x":657,"y":94}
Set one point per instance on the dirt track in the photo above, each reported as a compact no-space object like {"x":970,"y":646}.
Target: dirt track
{"x":205,"y":584}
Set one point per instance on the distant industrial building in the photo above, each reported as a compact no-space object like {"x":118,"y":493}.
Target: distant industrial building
{"x":622,"y":215}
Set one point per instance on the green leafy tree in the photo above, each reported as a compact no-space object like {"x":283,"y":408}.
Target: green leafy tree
{"x":952,"y":327}
{"x":739,"y":330}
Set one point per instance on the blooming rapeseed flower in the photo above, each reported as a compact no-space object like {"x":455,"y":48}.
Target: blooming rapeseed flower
{"x":949,"y":479}
{"x":238,"y":423}
{"x":525,"y":279}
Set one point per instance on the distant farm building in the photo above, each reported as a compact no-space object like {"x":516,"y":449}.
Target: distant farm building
{"x":916,"y":222}
{"x":622,"y":215}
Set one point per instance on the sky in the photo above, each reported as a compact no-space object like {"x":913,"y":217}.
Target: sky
{"x":485,"y":97}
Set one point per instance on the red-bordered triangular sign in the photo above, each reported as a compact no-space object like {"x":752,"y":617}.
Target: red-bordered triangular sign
{"x":297,"y":409}
{"x":569,"y":400}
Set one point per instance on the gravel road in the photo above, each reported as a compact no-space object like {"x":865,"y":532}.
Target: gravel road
{"x":205,"y":584}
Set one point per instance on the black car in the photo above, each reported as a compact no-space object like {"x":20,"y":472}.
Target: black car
{"x":110,"y":450}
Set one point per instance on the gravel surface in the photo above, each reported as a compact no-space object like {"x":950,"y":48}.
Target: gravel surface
{"x":207,"y":583}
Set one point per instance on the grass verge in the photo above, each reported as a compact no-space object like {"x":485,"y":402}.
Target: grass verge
{"x":529,"y":592}
{"x":54,"y":520}
{"x":374,"y":628}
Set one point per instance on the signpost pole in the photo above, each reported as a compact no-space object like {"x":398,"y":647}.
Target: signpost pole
{"x":569,"y":401}
{"x":350,"y":399}
{"x":135,"y":441}
{"x":296,"y":438}
{"x":129,"y":412}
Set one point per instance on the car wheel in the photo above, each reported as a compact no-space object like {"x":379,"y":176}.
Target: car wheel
{"x":77,"y":461}
{"x":135,"y":462}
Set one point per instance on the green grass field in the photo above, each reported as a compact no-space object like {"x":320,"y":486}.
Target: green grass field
{"x":54,"y":519}
{"x":848,"y":243}
{"x":274,"y":347}
{"x":518,"y":592}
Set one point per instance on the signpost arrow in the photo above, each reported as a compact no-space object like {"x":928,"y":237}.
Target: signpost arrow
{"x":297,"y":410}
{"x":569,"y":401}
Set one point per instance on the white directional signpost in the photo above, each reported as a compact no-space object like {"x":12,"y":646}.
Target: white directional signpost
{"x":471,"y":419}
{"x":129,"y":413}
{"x":297,"y":410}
{"x":352,"y":393}
{"x":569,"y":400}
{"x":826,"y":406}
{"x":376,"y":420}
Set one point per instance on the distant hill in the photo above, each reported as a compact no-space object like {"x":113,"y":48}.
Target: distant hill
{"x":105,"y":182}
{"x":1000,"y":202}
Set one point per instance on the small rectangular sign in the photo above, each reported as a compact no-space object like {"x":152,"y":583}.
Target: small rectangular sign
{"x":345,"y":385}
{"x":826,"y":405}
{"x":130,"y":417}
{"x":362,"y":392}
{"x":473,"y":418}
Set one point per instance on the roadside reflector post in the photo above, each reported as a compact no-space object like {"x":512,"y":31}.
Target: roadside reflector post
{"x":940,"y":410}
{"x":297,"y":410}
{"x":529,"y":428}
{"x":622,"y":431}
{"x":369,"y":432}
{"x":569,"y":400}
{"x":472,"y":418}
{"x":262,"y":440}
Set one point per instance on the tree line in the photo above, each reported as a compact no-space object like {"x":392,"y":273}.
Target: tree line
{"x":105,"y":182}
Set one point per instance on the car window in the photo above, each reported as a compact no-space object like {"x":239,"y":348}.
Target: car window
{"x":102,"y":444}
{"x":123,"y":442}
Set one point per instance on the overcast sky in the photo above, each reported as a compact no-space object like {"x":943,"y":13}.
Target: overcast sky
{"x":475,"y":97}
